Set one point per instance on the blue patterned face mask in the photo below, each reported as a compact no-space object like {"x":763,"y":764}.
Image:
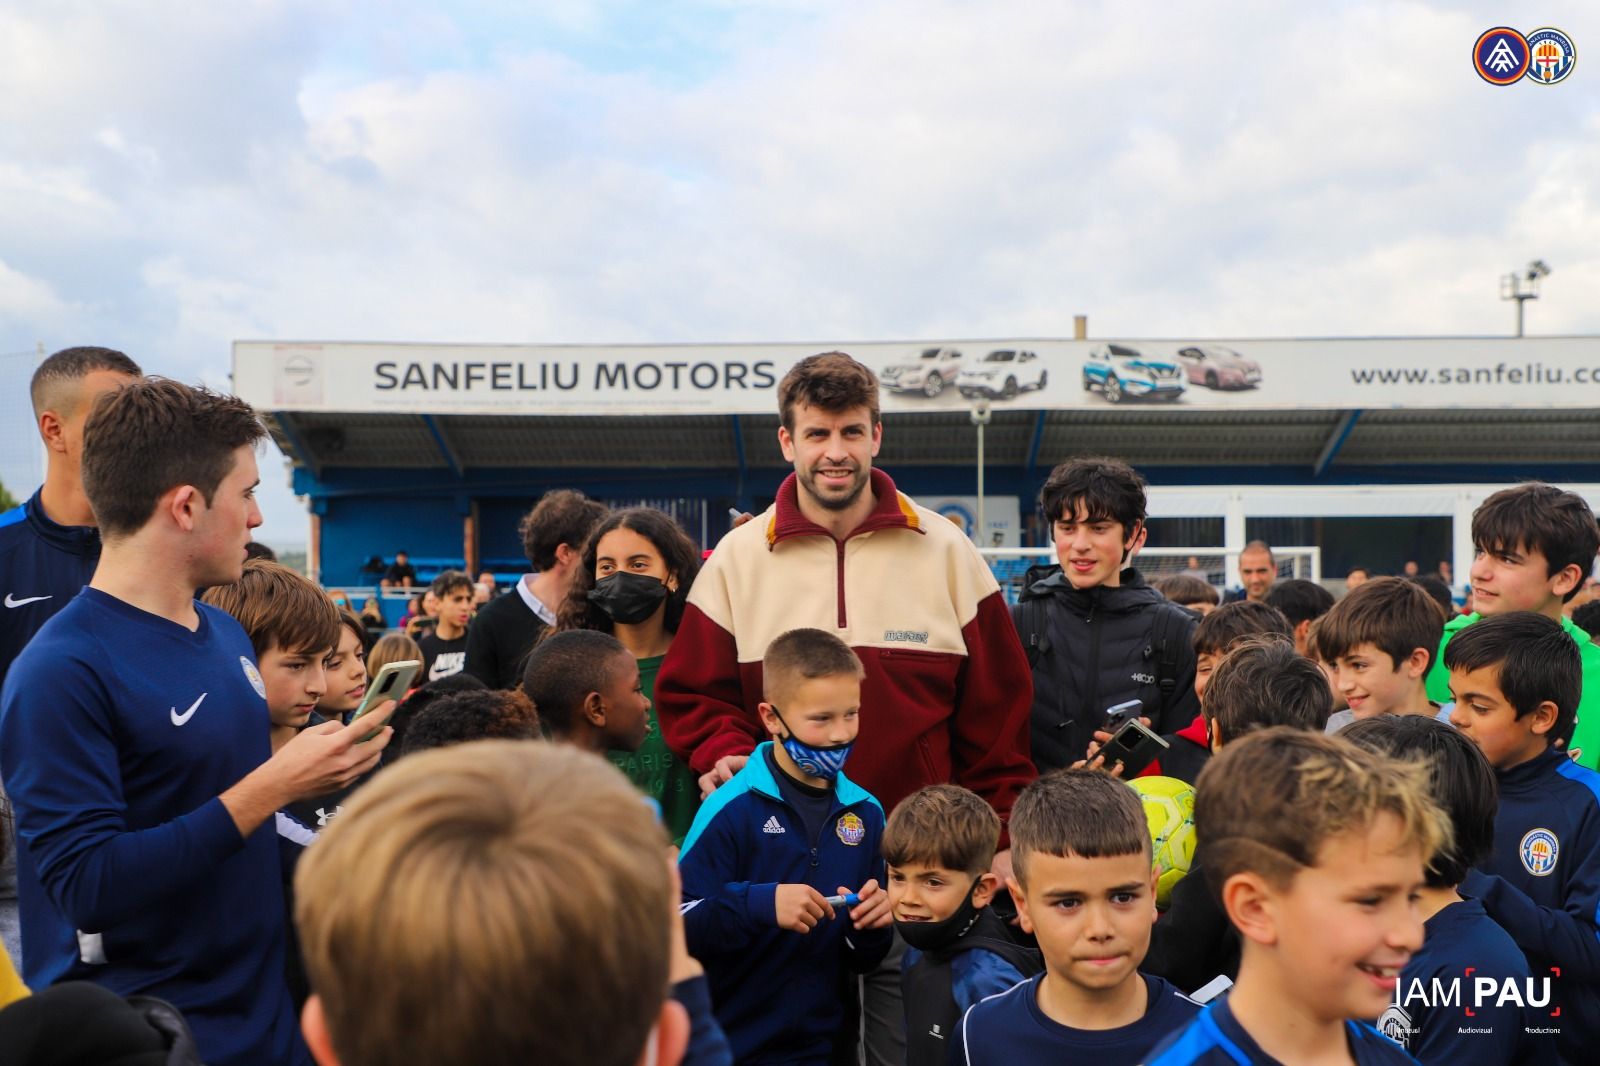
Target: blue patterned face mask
{"x":815,"y":762}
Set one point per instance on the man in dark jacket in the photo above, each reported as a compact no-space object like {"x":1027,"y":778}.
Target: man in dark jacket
{"x":1096,"y":634}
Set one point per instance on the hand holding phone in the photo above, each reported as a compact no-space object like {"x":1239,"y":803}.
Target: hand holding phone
{"x":1122,"y":712}
{"x":1134,"y":746}
{"x":392,"y":683}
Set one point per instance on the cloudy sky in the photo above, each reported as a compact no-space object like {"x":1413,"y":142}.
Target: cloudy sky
{"x":178,"y":175}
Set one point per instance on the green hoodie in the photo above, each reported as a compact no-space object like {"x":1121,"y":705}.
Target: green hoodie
{"x":1586,"y":735}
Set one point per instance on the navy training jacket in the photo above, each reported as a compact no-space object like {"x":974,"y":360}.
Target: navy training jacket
{"x":777,"y":993}
{"x":42,"y":566}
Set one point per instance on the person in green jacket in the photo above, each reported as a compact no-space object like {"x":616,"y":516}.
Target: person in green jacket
{"x":632,"y":582}
{"x":1535,"y":546}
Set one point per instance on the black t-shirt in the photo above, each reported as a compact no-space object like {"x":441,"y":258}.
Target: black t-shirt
{"x":400,"y":572}
{"x":440,"y":657}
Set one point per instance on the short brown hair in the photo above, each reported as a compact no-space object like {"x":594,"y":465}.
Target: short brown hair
{"x":1077,"y":812}
{"x":1264,"y":682}
{"x":450,"y":580}
{"x":1185,"y":590}
{"x":805,"y":655}
{"x":1392,"y":614}
{"x":392,"y":648}
{"x":352,"y":621}
{"x":279,"y":609}
{"x":1232,"y":622}
{"x":831,"y":382}
{"x":942,"y":825}
{"x":153,"y":435}
{"x":554,"y":946}
{"x":1268,"y":804}
{"x":560,"y":517}
{"x":71,"y":365}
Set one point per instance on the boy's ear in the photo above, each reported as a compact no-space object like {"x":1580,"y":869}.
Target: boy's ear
{"x":1543,"y":718}
{"x":1566,"y":579}
{"x":769,"y":721}
{"x":1021,"y":899}
{"x":669,"y":1039}
{"x":1214,"y":732}
{"x":1250,"y":903}
{"x":315,"y":1027}
{"x":1416,"y":664}
{"x":181,"y":503}
{"x":594,"y":710}
{"x":985,"y":889}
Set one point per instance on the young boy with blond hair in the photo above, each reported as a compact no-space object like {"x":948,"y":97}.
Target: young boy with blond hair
{"x":1318,"y":850}
{"x":1085,"y":886}
{"x":781,"y":869}
{"x":555,"y":948}
{"x":1379,"y":643}
{"x":939,"y":845}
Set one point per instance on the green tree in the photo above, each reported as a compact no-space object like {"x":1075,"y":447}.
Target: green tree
{"x":7,"y":501}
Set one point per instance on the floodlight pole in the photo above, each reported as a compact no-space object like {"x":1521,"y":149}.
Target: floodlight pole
{"x":1523,"y":286}
{"x":981,"y":416}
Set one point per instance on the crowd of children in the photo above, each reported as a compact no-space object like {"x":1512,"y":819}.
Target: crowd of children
{"x":1396,"y":823}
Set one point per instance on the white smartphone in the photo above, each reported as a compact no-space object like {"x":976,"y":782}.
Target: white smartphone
{"x":392,"y":683}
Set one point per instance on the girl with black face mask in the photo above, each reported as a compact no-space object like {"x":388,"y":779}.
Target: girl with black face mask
{"x":632,"y":583}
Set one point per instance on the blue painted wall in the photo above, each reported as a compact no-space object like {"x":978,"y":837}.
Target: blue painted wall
{"x":374,"y":511}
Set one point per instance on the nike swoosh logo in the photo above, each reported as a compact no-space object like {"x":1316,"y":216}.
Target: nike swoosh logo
{"x":179,"y":719}
{"x":12,"y":601}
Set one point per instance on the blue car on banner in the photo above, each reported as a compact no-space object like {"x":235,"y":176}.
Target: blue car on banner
{"x":1121,"y":372}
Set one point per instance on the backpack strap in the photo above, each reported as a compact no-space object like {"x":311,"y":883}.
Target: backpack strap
{"x":1164,"y":642}
{"x":1032,"y":627}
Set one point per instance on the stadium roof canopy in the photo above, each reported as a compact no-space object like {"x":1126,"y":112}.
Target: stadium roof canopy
{"x":514,"y":418}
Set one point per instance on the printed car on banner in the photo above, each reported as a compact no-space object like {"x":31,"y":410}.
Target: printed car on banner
{"x":926,"y":373}
{"x":1002,"y":374}
{"x":1121,"y":372}
{"x":1217,"y":367}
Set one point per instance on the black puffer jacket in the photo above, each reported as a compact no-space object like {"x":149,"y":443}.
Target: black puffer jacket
{"x":1098,"y":647}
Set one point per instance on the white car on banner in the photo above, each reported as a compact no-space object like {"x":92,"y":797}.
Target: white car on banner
{"x":927,"y":373}
{"x":1122,"y":372}
{"x":1002,"y":374}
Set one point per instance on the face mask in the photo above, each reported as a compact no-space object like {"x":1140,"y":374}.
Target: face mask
{"x":814,"y":762}
{"x":934,"y":936}
{"x":628,"y":598}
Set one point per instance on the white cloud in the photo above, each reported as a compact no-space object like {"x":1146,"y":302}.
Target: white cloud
{"x":179,"y":175}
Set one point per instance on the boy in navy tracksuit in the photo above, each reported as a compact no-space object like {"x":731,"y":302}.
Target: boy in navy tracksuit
{"x":1085,"y":887}
{"x":1461,"y":944}
{"x":1516,"y":679}
{"x":1317,"y":849}
{"x":771,"y":845}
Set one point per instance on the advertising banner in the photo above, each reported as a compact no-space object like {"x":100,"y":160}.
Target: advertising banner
{"x":1534,"y":372}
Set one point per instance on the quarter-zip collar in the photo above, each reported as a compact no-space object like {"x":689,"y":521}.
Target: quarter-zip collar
{"x":893,"y":511}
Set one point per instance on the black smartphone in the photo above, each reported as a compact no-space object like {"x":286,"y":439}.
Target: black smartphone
{"x":1134,"y":746}
{"x":1122,"y":712}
